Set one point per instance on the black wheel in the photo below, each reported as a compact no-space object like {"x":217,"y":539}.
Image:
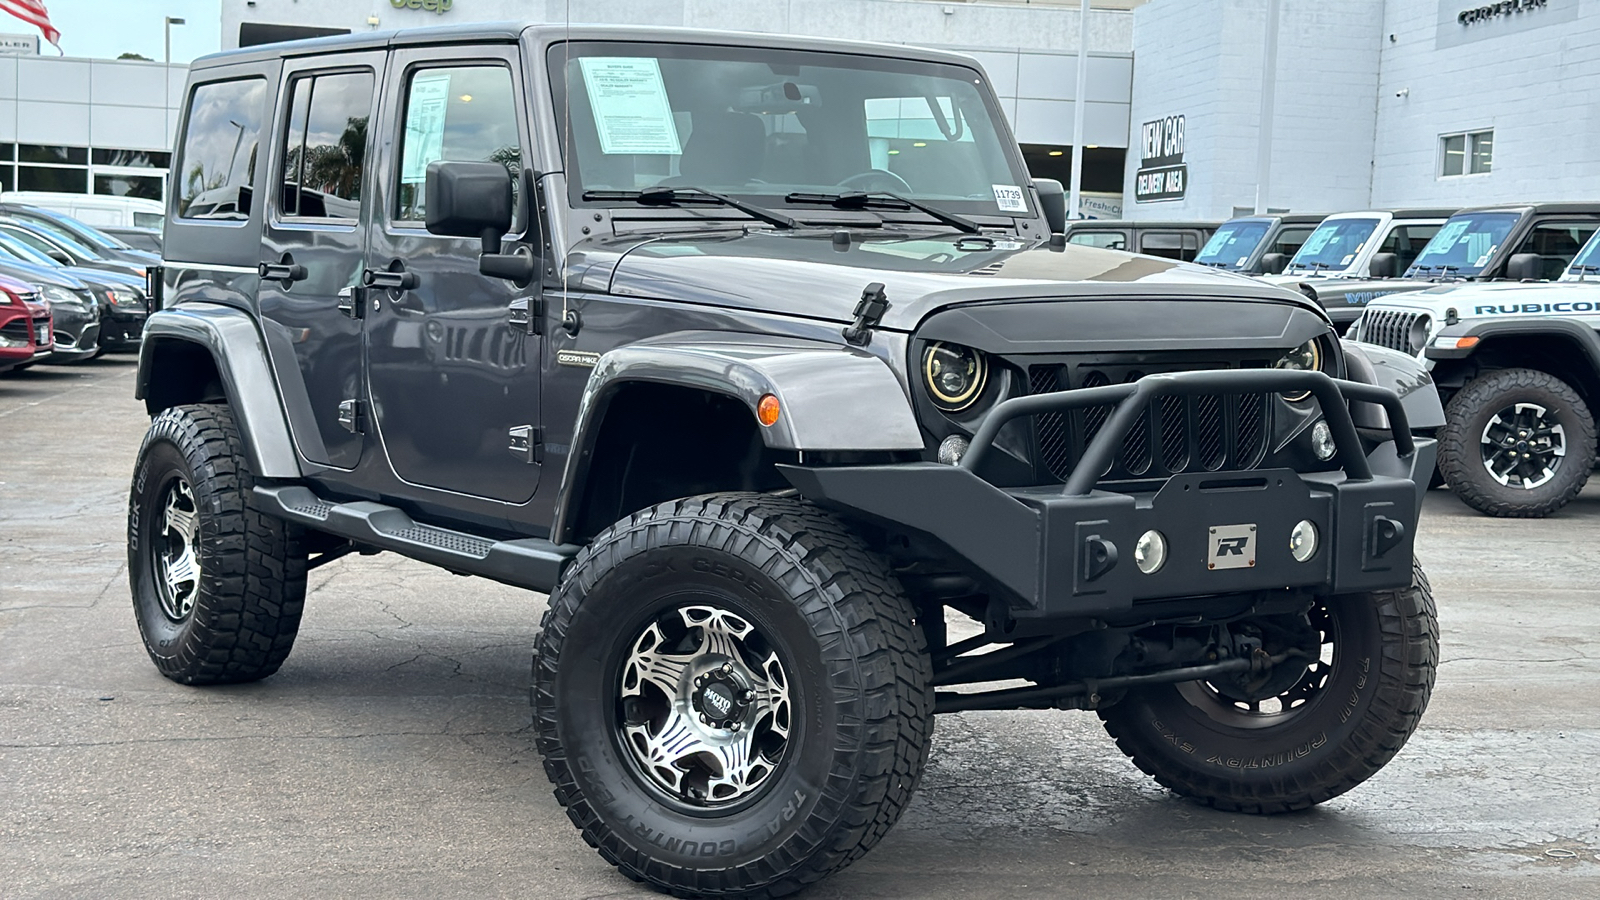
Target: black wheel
{"x":217,"y":587}
{"x":731,"y":695}
{"x":1517,"y":443}
{"x":1306,"y":737}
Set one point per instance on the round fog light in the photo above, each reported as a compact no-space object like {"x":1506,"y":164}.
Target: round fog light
{"x":1150,"y":553}
{"x":1322,"y":440}
{"x":1303,"y":541}
{"x":952,"y":448}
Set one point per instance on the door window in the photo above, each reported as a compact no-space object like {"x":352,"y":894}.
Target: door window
{"x":325,"y":146}
{"x":1556,"y":243}
{"x":1406,"y":241}
{"x":1109,"y":240}
{"x":1291,"y":239}
{"x":1180,"y":245}
{"x":462,"y":113}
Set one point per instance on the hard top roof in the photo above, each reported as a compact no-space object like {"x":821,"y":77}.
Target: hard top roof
{"x":510,"y":32}
{"x":1285,"y":218}
{"x":1091,"y":224}
{"x":1581,"y":206}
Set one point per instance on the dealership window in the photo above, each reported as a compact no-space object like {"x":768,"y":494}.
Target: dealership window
{"x":114,"y":171}
{"x":1469,"y":153}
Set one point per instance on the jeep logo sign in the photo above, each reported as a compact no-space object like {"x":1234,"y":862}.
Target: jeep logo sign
{"x":1162,"y":173}
{"x":434,"y":6}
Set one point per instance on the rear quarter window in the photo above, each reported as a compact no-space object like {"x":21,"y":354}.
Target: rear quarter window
{"x":217,"y":153}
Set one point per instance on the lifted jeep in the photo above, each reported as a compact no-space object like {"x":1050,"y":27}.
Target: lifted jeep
{"x":757,"y":354}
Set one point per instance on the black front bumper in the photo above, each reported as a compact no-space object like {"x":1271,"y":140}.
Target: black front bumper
{"x":1069,"y":550}
{"x":122,"y":325}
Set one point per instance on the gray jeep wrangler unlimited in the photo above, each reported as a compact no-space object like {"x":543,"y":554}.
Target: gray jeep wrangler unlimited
{"x":758,"y":356}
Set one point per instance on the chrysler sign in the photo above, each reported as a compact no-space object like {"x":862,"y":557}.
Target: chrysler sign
{"x":1492,"y":11}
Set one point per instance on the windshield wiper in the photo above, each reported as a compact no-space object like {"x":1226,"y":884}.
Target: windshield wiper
{"x":886,"y":200}
{"x":662,"y":195}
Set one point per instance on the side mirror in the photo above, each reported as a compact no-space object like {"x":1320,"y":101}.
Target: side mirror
{"x":1053,"y":203}
{"x":1383,"y":265}
{"x":475,"y":199}
{"x":1525,"y":267}
{"x":1274,"y":263}
{"x":469,"y":199}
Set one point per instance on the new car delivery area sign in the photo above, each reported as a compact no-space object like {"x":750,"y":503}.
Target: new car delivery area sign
{"x":1162,"y":174}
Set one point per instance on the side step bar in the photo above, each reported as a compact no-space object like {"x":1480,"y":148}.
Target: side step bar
{"x":532,"y":563}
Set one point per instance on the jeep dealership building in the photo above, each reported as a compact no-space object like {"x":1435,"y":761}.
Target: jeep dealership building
{"x":1381,"y":103}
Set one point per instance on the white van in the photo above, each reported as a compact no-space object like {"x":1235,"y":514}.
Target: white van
{"x":95,"y":209}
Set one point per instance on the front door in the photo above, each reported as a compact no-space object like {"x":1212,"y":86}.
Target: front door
{"x":454,"y":382}
{"x":314,"y":248}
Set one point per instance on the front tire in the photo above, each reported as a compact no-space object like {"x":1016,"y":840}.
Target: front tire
{"x":1344,"y":720}
{"x":743,"y":596}
{"x":1518,"y":443}
{"x":218,"y":588}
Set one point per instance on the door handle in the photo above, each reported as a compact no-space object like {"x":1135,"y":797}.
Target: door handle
{"x":286,"y":271}
{"x":400,"y":280}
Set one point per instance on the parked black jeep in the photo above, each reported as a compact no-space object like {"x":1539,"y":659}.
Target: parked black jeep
{"x":757,"y":355}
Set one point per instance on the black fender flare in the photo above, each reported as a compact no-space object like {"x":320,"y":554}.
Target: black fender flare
{"x":831,"y":396}
{"x":1583,"y":336}
{"x":1405,"y":375}
{"x":230,"y":336}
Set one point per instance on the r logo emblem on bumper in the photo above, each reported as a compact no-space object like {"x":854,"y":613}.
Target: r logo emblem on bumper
{"x":1232,"y":547}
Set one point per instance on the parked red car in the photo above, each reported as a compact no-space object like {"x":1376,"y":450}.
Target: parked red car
{"x":25,"y":328}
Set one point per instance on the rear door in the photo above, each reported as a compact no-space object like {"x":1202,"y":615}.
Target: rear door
{"x":454,"y":381}
{"x":313,"y":248}
{"x":1172,"y":243}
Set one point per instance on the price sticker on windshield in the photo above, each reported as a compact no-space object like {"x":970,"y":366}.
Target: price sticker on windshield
{"x":1009,"y":198}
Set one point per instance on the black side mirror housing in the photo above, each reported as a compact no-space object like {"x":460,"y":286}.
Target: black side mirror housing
{"x":1383,"y":265}
{"x":1053,"y":203}
{"x":1525,"y":267}
{"x":469,"y":199}
{"x":1274,"y":263}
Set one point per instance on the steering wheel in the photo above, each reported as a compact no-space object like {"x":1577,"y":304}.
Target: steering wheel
{"x":876,"y":180}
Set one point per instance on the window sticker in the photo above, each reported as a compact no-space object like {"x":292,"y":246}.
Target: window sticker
{"x":631,"y":110}
{"x":1009,"y":198}
{"x":1451,"y":232}
{"x":424,"y":138}
{"x":1319,"y":239}
{"x":1348,"y":259}
{"x":1241,"y":261}
{"x":1482,"y":261}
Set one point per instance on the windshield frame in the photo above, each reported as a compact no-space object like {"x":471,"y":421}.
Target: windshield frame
{"x":556,"y":55}
{"x":1465,"y":271}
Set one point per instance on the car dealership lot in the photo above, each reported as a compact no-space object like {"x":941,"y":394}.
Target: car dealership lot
{"x":391,"y":756}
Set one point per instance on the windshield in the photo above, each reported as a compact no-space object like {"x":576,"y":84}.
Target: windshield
{"x":20,"y":251}
{"x":62,"y":236}
{"x":1586,"y":265}
{"x":80,"y":232}
{"x":761,"y":124}
{"x":1333,"y":246}
{"x":1463,"y":246}
{"x":1230,"y":247}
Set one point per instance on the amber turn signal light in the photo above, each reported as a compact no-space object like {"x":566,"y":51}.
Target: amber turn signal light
{"x":767,"y":409}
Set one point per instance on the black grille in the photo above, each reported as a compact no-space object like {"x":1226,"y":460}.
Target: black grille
{"x":1173,"y":434}
{"x":1389,"y":328}
{"x":16,"y":329}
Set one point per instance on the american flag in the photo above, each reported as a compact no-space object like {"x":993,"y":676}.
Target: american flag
{"x":34,"y":13}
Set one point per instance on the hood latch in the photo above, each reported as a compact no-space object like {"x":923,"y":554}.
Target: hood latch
{"x":869,"y":312}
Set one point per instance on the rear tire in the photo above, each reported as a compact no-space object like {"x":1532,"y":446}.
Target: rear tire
{"x":218,"y":588}
{"x":1483,"y":424}
{"x":1343,"y":723}
{"x":658,"y":600}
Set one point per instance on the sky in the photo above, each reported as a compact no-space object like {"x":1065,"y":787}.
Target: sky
{"x":106,"y":29}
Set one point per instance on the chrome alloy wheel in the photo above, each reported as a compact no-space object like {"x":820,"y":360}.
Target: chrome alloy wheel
{"x":177,"y":551}
{"x":704,"y":706}
{"x":1523,"y":445}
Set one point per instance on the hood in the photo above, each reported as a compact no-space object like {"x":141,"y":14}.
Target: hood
{"x":809,"y":274}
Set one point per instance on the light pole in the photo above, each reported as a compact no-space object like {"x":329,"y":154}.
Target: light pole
{"x":171,"y":21}
{"x":1075,"y":186}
